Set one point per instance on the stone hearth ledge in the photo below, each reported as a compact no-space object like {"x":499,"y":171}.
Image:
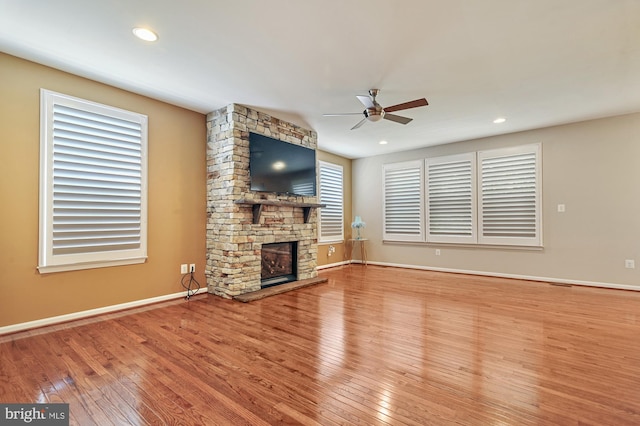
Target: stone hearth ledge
{"x":278,"y":289}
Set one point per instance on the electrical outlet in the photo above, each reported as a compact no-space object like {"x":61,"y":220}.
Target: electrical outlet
{"x":561,"y":208}
{"x":630,"y":264}
{"x":192,"y":267}
{"x":437,"y":252}
{"x":184,"y":268}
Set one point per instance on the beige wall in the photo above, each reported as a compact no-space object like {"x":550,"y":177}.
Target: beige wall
{"x":342,"y":251}
{"x":176,"y":222}
{"x":592,"y":167}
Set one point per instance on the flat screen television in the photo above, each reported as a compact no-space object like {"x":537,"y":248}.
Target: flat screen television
{"x":282,"y":167}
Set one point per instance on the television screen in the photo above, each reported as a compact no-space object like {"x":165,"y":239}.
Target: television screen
{"x":277,"y":166}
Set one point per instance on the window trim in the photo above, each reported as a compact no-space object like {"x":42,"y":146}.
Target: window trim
{"x":47,"y":261}
{"x":332,"y":238}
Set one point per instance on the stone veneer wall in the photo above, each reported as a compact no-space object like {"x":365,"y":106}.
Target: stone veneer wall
{"x":234,"y":243}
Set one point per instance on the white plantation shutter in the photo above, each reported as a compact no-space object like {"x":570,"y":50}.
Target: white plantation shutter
{"x":451,"y":200}
{"x":303,"y":188}
{"x":93,"y":187}
{"x":510,"y":196}
{"x":331,"y":226}
{"x":403,"y":201}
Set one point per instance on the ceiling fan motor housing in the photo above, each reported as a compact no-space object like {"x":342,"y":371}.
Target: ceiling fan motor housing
{"x":374,"y":114}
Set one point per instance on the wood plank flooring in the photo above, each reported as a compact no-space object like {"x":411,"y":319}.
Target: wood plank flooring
{"x":372,"y":346}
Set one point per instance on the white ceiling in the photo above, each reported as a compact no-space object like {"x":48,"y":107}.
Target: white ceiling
{"x":536,"y":62}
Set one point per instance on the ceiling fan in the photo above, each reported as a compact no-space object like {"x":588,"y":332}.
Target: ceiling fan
{"x":374,"y":112}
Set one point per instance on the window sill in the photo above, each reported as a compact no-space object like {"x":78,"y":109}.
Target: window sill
{"x":466,"y":246}
{"x":326,"y":242}
{"x":47,"y":269}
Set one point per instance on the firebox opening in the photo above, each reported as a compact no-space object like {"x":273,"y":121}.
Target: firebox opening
{"x":279,"y":263}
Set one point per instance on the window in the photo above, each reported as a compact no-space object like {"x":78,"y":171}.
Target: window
{"x":93,"y":201}
{"x":331,"y":225}
{"x":451,"y":199}
{"x":403,"y":201}
{"x":489,"y":197}
{"x":509,"y":186}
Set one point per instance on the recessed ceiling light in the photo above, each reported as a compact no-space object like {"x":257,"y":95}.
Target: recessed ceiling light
{"x":499,"y":120}
{"x":145,"y":34}
{"x":383,"y":142}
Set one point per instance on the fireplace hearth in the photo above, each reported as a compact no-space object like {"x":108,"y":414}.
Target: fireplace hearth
{"x":278,"y":263}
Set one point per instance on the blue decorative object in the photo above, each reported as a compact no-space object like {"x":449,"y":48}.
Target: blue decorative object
{"x":358,"y":224}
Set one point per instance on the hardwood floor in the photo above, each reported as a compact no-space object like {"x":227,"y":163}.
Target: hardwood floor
{"x":372,"y":346}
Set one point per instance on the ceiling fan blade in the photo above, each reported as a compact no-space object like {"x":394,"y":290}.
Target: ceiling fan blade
{"x":397,"y":118}
{"x":341,"y":114}
{"x":407,"y":105}
{"x":366,"y":101}
{"x":359,"y":124}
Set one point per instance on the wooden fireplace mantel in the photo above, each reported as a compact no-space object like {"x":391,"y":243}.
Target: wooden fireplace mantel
{"x":257,"y":207}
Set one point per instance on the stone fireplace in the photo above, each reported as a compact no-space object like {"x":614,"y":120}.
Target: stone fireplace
{"x":240,"y":221}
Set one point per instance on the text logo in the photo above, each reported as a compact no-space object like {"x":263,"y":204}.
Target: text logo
{"x":34,"y":414}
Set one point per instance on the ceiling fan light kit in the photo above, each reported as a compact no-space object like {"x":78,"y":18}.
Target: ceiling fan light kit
{"x":375,"y":112}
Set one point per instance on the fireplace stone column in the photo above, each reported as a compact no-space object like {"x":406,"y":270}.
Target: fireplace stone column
{"x":233,"y":241}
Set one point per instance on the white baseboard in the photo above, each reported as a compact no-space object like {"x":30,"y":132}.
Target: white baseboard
{"x":333,"y":265}
{"x":137,"y":303}
{"x":515,"y":276}
{"x":92,"y":312}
